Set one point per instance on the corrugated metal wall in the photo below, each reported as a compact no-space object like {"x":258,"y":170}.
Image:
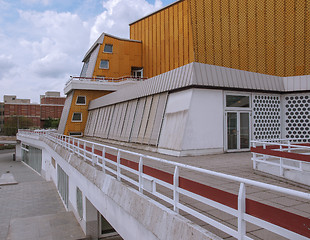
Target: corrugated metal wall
{"x":264,"y":36}
{"x":167,"y":39}
{"x":137,"y":121}
{"x":65,"y":114}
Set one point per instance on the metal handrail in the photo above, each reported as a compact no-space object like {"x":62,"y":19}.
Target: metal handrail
{"x":106,"y":79}
{"x":74,"y":144}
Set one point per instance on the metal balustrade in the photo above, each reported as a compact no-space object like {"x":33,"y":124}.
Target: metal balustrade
{"x":283,"y":153}
{"x":149,"y":180}
{"x":105,"y":79}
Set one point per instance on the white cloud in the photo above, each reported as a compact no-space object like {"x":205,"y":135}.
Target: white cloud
{"x":30,"y":2}
{"x":42,"y":49}
{"x":118,"y":14}
{"x":43,"y":64}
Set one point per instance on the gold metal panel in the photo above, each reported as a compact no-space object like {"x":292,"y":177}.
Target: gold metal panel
{"x":233,"y":51}
{"x":243,"y":32}
{"x":289,"y":38}
{"x":218,"y":54}
{"x":261,"y":36}
{"x":300,"y":37}
{"x":270,"y":37}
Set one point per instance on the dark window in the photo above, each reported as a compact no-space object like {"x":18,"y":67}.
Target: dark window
{"x":81,"y":100}
{"x":75,"y":134}
{"x":77,"y":117}
{"x":237,"y":101}
{"x":108,"y":48}
{"x":104,"y":64}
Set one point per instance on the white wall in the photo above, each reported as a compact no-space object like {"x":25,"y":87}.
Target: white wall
{"x":205,"y":123}
{"x":175,"y":120}
{"x":193,"y":123}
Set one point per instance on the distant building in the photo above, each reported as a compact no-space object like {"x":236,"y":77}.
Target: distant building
{"x":1,"y":116}
{"x":18,"y":112}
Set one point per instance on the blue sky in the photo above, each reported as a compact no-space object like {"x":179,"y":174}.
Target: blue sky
{"x":42,"y":42}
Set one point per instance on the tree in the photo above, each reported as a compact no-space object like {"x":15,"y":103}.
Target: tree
{"x":51,"y":123}
{"x":13,"y":123}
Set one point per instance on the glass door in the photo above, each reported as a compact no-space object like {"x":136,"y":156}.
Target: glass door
{"x":238,"y":130}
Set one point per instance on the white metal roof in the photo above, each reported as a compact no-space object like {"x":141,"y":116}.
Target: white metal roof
{"x":205,"y":75}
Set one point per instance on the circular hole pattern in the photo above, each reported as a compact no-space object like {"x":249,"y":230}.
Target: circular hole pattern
{"x":266,"y":116}
{"x":297,"y":117}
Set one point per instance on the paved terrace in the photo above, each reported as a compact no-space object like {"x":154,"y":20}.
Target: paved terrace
{"x":31,"y":208}
{"x":237,"y":164}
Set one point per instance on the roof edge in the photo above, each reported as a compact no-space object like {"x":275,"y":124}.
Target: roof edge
{"x":171,"y":4}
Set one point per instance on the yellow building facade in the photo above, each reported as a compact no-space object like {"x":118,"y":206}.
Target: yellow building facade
{"x":76,"y":125}
{"x":270,"y":37}
{"x":124,"y":56}
{"x":167,"y":39}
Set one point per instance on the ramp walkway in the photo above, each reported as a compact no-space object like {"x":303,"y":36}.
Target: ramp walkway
{"x":31,"y":207}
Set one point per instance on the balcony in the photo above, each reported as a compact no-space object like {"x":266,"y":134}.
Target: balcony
{"x":102,"y":83}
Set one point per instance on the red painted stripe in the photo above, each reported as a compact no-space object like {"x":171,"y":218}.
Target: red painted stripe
{"x":159,"y":174}
{"x":287,"y":220}
{"x":130,"y":164}
{"x":289,"y":155}
{"x":217,"y":195}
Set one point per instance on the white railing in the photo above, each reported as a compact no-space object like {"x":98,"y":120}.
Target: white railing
{"x":105,"y":79}
{"x":97,"y":154}
{"x":283,"y":153}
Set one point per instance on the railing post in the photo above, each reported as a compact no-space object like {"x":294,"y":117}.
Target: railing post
{"x":118,"y":165}
{"x":73,"y":146}
{"x":103,"y":159}
{"x":140,"y":174}
{"x":254,"y":160}
{"x":289,"y":145}
{"x":241,"y":212}
{"x":281,"y":163}
{"x":78,"y":147}
{"x":92,"y":155}
{"x":84,"y":151}
{"x":175,"y":189}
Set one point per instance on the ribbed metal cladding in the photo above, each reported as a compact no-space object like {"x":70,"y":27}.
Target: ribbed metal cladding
{"x":137,"y":121}
{"x":200,"y":74}
{"x":65,"y":114}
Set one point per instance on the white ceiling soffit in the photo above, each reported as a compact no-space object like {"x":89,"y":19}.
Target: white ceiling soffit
{"x":199,"y":74}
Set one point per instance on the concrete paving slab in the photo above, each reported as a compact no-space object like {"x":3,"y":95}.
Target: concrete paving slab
{"x":46,"y":227}
{"x":7,"y":179}
{"x":31,"y":197}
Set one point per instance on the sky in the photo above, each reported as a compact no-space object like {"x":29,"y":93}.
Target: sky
{"x":42,"y":42}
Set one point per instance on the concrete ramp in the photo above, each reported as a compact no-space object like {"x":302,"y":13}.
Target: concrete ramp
{"x":7,"y":179}
{"x":46,"y":227}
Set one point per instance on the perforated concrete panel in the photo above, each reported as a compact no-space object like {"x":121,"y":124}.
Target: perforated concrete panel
{"x":297,"y":116}
{"x":266,"y":116}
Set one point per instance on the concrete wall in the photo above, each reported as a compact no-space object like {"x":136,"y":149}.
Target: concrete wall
{"x":193,"y":123}
{"x":133,"y":215}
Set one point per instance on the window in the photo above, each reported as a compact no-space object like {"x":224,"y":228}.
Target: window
{"x":104,"y":64}
{"x":79,"y":202}
{"x":77,"y":117}
{"x":237,"y":101}
{"x":76,"y":134}
{"x":63,"y":184}
{"x":81,"y":100}
{"x":108,"y":48}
